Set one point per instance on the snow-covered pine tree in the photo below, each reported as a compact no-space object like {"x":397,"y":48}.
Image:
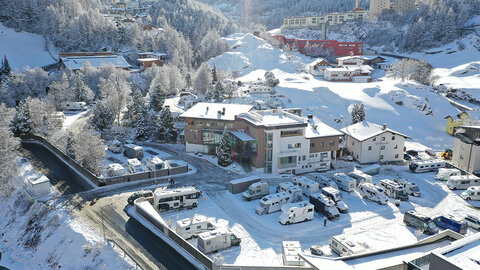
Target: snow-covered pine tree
{"x":214,"y":74}
{"x":135,"y":108}
{"x":103,"y":116}
{"x":362,"y":115}
{"x":270,"y":79}
{"x":81,"y":91}
{"x":69,"y":146}
{"x":157,"y":98}
{"x":203,"y":79}
{"x":166,"y":120}
{"x":21,"y":124}
{"x":5,"y":69}
{"x":143,"y":128}
{"x":219,"y":91}
{"x":188,"y":80}
{"x":8,"y":150}
{"x":358,"y":113}
{"x":224,"y":152}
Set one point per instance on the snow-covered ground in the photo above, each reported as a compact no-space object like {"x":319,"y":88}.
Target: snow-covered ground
{"x":234,"y":167}
{"x":24,"y":49}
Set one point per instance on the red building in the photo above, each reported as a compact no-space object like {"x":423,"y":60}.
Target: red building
{"x":332,"y":46}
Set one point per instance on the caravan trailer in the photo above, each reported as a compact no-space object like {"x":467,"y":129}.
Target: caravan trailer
{"x":76,"y":106}
{"x":296,"y":212}
{"x":256,"y":190}
{"x":134,"y":165}
{"x":115,"y":146}
{"x":445,"y":173}
{"x":307,"y":185}
{"x":463,"y":181}
{"x":341,"y":245}
{"x":325,"y":181}
{"x":371,"y":192}
{"x":324,"y":205}
{"x":167,"y":199}
{"x":345,"y":182}
{"x":212,"y":241}
{"x":272,"y":203}
{"x":295,"y":191}
{"x":192,"y":227}
{"x":155,"y":163}
{"x":427,"y":165}
{"x":37,"y":186}
{"x":115,"y":169}
{"x":360,"y":176}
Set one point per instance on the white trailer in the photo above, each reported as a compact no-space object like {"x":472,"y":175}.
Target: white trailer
{"x":192,"y":227}
{"x":472,"y":193}
{"x":219,"y":239}
{"x":115,"y":146}
{"x":290,"y":251}
{"x":345,"y":182}
{"x":37,"y":186}
{"x":115,"y":169}
{"x":332,"y":193}
{"x":76,"y":106}
{"x":463,"y":181}
{"x":168,"y":199}
{"x":272,"y":203}
{"x":296,"y":212}
{"x":410,"y":187}
{"x":394,"y":190}
{"x":343,"y":246}
{"x":427,"y":165}
{"x":445,"y":173}
{"x":134,"y":165}
{"x":325,"y":181}
{"x":371,"y":192}
{"x":256,"y":190}
{"x":307,"y":185}
{"x":292,"y":189}
{"x":133,"y":151}
{"x":360,"y":176}
{"x":155,"y":163}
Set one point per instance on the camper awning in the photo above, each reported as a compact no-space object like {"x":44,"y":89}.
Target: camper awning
{"x":242,"y":136}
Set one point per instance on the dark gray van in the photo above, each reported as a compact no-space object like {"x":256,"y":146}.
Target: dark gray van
{"x":417,"y":220}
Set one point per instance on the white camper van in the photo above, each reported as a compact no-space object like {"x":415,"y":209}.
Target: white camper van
{"x":192,"y":227}
{"x":463,"y":181}
{"x":345,"y":182}
{"x":427,"y":165}
{"x":410,"y":187}
{"x":134,"y":165}
{"x":76,"y":106}
{"x":167,"y":199}
{"x":445,"y":173}
{"x":115,"y":169}
{"x":325,"y":181}
{"x":307,"y":185}
{"x":341,"y":245}
{"x":472,"y":193}
{"x":219,"y":239}
{"x":289,"y":187}
{"x":371,"y":192}
{"x":332,"y":193}
{"x":256,"y":190}
{"x":155,"y":163}
{"x":272,"y":203}
{"x":296,"y":212}
{"x":360,"y":176}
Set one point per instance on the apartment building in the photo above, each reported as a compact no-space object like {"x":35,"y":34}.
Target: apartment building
{"x":330,"y":19}
{"x":370,"y":143}
{"x":377,"y":7}
{"x":402,"y":6}
{"x":270,"y":141}
{"x":466,"y":148}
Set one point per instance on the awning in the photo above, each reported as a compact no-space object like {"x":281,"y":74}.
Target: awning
{"x":242,"y":136}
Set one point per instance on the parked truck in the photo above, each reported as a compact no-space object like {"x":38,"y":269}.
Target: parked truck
{"x":219,"y":239}
{"x":296,"y":212}
{"x":345,"y":182}
{"x":410,"y":187}
{"x":256,"y":190}
{"x":394,"y":190}
{"x":324,"y":205}
{"x":307,"y":185}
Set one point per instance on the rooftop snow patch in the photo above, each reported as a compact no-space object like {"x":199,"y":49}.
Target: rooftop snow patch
{"x":216,"y":111}
{"x":272,"y":118}
{"x":97,"y":61}
{"x":317,"y":129}
{"x":365,"y":130}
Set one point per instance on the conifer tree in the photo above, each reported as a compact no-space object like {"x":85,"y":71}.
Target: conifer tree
{"x":142,"y":126}
{"x":81,"y":90}
{"x":5,"y":69}
{"x":224,"y":153}
{"x":103,"y":116}
{"x":21,"y":124}
{"x":69,"y":147}
{"x":214,"y":74}
{"x":157,"y":98}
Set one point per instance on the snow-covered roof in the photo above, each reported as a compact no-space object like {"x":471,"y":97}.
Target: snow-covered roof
{"x":318,"y":129}
{"x":270,"y":118}
{"x":96,"y":61}
{"x":366,"y":130}
{"x":318,"y":60}
{"x":38,"y":180}
{"x":216,"y":111}
{"x":147,"y":59}
{"x":353,"y":57}
{"x":464,"y":253}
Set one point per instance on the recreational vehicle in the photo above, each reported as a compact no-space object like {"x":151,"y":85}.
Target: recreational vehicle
{"x":167,"y":199}
{"x":473,"y":222}
{"x":342,"y":207}
{"x":341,"y":245}
{"x":417,"y":220}
{"x":324,"y":181}
{"x":307,"y":185}
{"x":371,"y":192}
{"x":115,"y":169}
{"x":452,"y":223}
{"x":427,"y":165}
{"x":212,"y":241}
{"x":394,"y":190}
{"x":290,"y":251}
{"x":295,"y":191}
{"x":134,"y":165}
{"x":444,"y":174}
{"x":324,"y":205}
{"x":463,"y":181}
{"x":192,"y":227}
{"x":76,"y":106}
{"x":296,"y":212}
{"x":133,"y":151}
{"x":115,"y":146}
{"x":155,"y":163}
{"x":345,"y":182}
{"x":472,"y":193}
{"x":272,"y":203}
{"x":410,"y":187}
{"x":360,"y":176}
{"x":332,"y":193}
{"x":256,"y":191}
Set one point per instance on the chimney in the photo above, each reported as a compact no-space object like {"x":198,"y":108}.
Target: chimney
{"x":384,"y":127}
{"x":356,"y":4}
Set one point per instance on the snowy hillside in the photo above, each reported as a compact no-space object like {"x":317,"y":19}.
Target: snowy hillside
{"x":23,"y":49}
{"x":407,"y":107}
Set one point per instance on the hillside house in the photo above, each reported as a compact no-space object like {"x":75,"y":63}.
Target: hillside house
{"x":348,"y":73}
{"x":318,"y":66}
{"x":76,"y":61}
{"x":259,"y":87}
{"x":466,"y":148}
{"x":149,"y":62}
{"x":452,"y":124}
{"x":330,"y":19}
{"x":359,"y":60}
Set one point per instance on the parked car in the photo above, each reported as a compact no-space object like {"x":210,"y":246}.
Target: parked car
{"x":138,"y":194}
{"x":316,"y":250}
{"x":407,"y":157}
{"x":449,"y":222}
{"x":412,"y":153}
{"x":473,"y":222}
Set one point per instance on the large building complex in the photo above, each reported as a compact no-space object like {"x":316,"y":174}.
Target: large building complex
{"x":466,"y":148}
{"x":271,"y":141}
{"x":330,"y":47}
{"x":319,"y":22}
{"x":402,"y":6}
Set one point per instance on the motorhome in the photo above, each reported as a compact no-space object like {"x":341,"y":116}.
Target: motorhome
{"x":155,"y":163}
{"x":463,"y":181}
{"x":472,"y":193}
{"x":256,"y":190}
{"x":344,"y":182}
{"x":452,"y":223}
{"x":417,"y":220}
{"x":168,"y":199}
{"x":427,"y":165}
{"x":115,"y":169}
{"x":307,"y":185}
{"x":296,"y":212}
{"x":410,"y":187}
{"x":133,"y":151}
{"x":219,"y":239}
{"x":371,"y":192}
{"x":76,"y":106}
{"x":445,"y":173}
{"x":272,"y":203}
{"x":473,"y":221}
{"x":394,"y":190}
{"x":324,"y":205}
{"x":192,"y":227}
{"x":114,"y":146}
{"x":360,"y":176}
{"x":332,"y":193}
{"x":295,"y":191}
{"x":324,"y":181}
{"x":290,"y":251}
{"x":134,"y":165}
{"x":343,"y":246}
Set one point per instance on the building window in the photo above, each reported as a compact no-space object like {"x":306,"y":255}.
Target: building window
{"x":353,"y":143}
{"x":294,"y":145}
{"x":396,"y":147}
{"x":287,"y":162}
{"x":332,"y":143}
{"x":369,"y":148}
{"x":383,"y":147}
{"x":396,"y":156}
{"x":393,"y":138}
{"x":383,"y":138}
{"x":304,"y":158}
{"x":288,"y":133}
{"x":322,"y":144}
{"x":374,"y":139}
{"x":312,"y":145}
{"x":381,"y":156}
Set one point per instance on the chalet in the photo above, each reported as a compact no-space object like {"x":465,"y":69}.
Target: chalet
{"x":157,"y":55}
{"x":452,"y":124}
{"x":76,"y":61}
{"x":348,"y":73}
{"x":371,"y":60}
{"x":318,"y":66}
{"x":259,"y":87}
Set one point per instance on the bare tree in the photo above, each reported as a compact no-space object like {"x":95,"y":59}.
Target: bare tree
{"x":8,"y":150}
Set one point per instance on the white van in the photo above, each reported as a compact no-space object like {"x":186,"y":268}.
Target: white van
{"x":371,"y":192}
{"x":463,"y":181}
{"x":76,"y":106}
{"x":410,"y":187}
{"x":427,"y":165}
{"x":134,"y":165}
{"x":192,"y":227}
{"x":472,"y":193}
{"x":115,"y":169}
{"x":296,"y":212}
{"x":289,"y":187}
{"x":212,"y":241}
{"x":155,"y":163}
{"x":272,"y":203}
{"x":115,"y":146}
{"x":445,"y":173}
{"x":307,"y":185}
{"x":345,"y":182}
{"x":325,"y":181}
{"x":360,"y":176}
{"x":256,"y":190}
{"x":332,"y":193}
